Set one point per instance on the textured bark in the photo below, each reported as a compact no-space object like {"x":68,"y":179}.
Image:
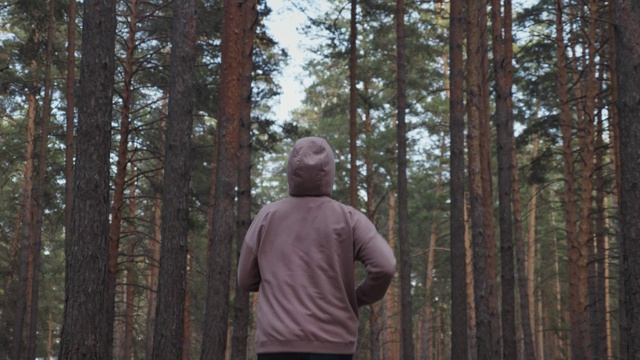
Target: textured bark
{"x":505,"y":143}
{"x":406,"y":325}
{"x":391,"y":320}
{"x":242,"y":309}
{"x":427,"y":328}
{"x":152,"y":279}
{"x":353,"y":121}
{"x":169,"y":330}
{"x":70,"y":120}
{"x":9,"y":295}
{"x":186,"y":325}
{"x":586,"y":139}
{"x":131,"y":281}
{"x":459,"y":300}
{"x":214,"y":344}
{"x":459,"y":318}
{"x":23,"y":297}
{"x":628,"y":70}
{"x":36,"y":251}
{"x":577,"y":282}
{"x":525,"y":259}
{"x":84,"y":330}
{"x":470,"y":294}
{"x":599,"y":320}
{"x":115,"y":227}
{"x":488,"y":335}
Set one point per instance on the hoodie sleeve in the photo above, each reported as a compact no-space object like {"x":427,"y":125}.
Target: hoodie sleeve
{"x":374,"y":252}
{"x":248,"y":267}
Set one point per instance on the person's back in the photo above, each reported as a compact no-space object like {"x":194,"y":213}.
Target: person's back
{"x":299,"y":253}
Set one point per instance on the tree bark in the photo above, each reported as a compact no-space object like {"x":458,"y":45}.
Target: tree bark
{"x":217,"y":299}
{"x":115,"y":227}
{"x":242,"y":309}
{"x":84,"y":333}
{"x":459,"y":336}
{"x":577,"y":282}
{"x":353,"y":121}
{"x":628,"y":65}
{"x":391,"y":321}
{"x":488,"y":335}
{"x":131,"y":282}
{"x":172,"y":276}
{"x":23,"y":297}
{"x":525,"y":268}
{"x":70,"y":120}
{"x":406,"y":326}
{"x":505,"y":182}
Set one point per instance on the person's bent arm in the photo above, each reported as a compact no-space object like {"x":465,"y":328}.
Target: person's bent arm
{"x":374,"y":252}
{"x":248,"y":267}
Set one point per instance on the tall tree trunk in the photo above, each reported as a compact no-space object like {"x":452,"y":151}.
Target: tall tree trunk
{"x":628,"y":63}
{"x":84,"y":333}
{"x":152,"y":282}
{"x":172,"y":276}
{"x":576,"y":278}
{"x":70,"y":120}
{"x":391,"y":344}
{"x":186,"y":338}
{"x":217,"y":299}
{"x":599,"y":321}
{"x":353,"y":98}
{"x":526,"y":267}
{"x":9,"y":296}
{"x":24,"y":290}
{"x":36,"y":250}
{"x":488,"y":336}
{"x":614,"y":130}
{"x":406,"y":325}
{"x":131,"y":282}
{"x":470,"y":294}
{"x":459,"y":336}
{"x":115,"y":227}
{"x":586,"y":132}
{"x":427,"y":328}
{"x":242,"y":309}
{"x":505,"y":173}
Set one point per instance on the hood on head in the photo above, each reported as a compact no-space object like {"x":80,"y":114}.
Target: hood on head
{"x":311,"y":169}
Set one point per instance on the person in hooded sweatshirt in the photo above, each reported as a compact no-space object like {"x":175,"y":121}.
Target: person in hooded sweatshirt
{"x":299,"y":253}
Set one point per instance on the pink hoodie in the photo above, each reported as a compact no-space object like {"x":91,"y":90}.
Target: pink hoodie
{"x":299,"y":253}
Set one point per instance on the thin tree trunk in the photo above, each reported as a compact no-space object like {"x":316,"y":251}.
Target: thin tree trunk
{"x":505,"y":182}
{"x":353,"y":121}
{"x":131,"y":282}
{"x":214,"y":344}
{"x":599,"y":322}
{"x":585,"y":238}
{"x":169,"y":331}
{"x":488,"y":336}
{"x":615,"y":162}
{"x":152,"y":282}
{"x":186,"y":338}
{"x":23,"y":297}
{"x":470,"y":294}
{"x":525,"y":278}
{"x":84,"y":333}
{"x":576,"y":279}
{"x":459,"y":253}
{"x":9,"y":295}
{"x":70,"y":120}
{"x":628,"y":62}
{"x":406,"y":326}
{"x":242,"y":309}
{"x":115,"y":227}
{"x":40,"y":190}
{"x":391,"y":325}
